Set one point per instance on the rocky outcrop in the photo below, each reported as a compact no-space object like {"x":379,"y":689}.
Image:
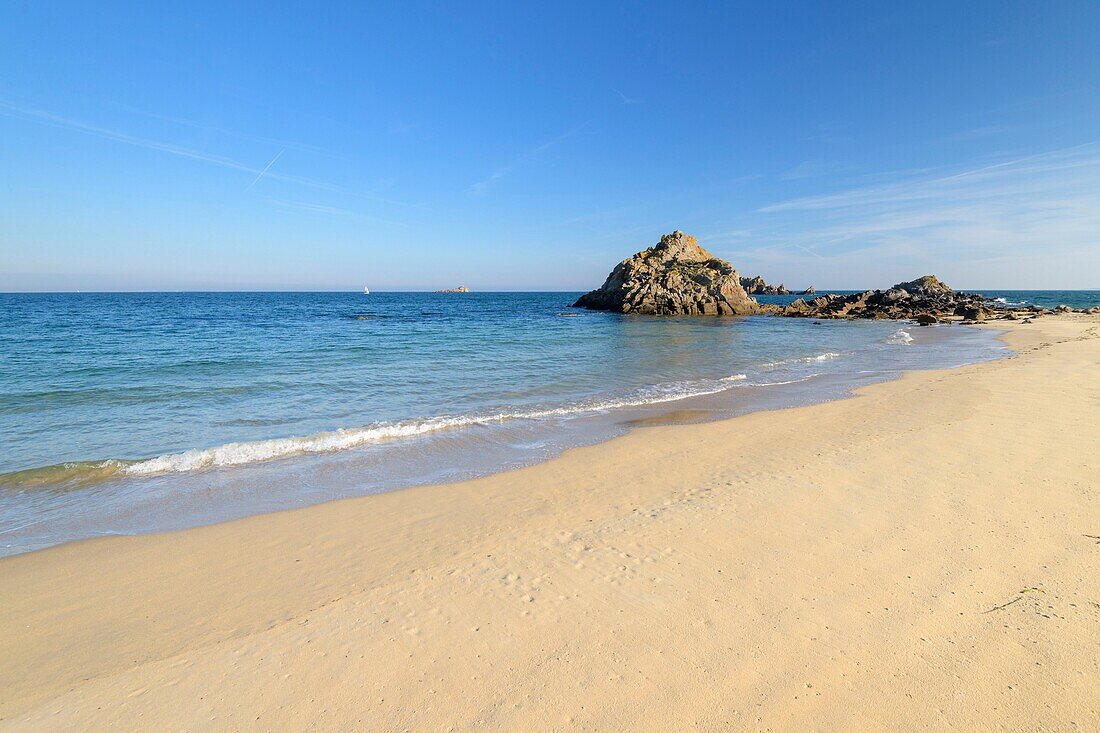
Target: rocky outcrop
{"x":678,"y":277}
{"x":674,"y":277}
{"x":756,"y":286}
{"x":926,"y":300}
{"x":925,"y":285}
{"x":808,"y":291}
{"x":459,"y":289}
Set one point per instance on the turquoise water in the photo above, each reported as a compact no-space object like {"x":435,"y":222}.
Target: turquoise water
{"x":136,"y":412}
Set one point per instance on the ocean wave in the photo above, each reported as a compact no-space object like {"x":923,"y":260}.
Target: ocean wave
{"x":806,"y":378}
{"x":242,"y":453}
{"x":827,"y":356}
{"x":69,"y":474}
{"x":900,"y":337}
{"x":257,"y":451}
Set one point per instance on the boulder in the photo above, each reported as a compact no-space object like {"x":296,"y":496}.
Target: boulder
{"x":925,"y":319}
{"x":674,"y":277}
{"x":971,"y":312}
{"x":894,"y":294}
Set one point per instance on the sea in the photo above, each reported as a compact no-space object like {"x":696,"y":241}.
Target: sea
{"x":125,"y":413}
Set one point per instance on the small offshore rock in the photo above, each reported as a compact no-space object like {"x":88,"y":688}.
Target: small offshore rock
{"x":674,"y":277}
{"x":756,"y":286}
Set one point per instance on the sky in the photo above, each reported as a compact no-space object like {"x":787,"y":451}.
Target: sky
{"x":515,"y":146}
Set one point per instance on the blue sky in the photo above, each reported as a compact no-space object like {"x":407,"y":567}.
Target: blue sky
{"x":510,"y":146}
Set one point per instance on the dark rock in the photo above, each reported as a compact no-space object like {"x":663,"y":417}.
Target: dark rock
{"x":808,"y":291}
{"x":971,"y":312}
{"x":756,"y":286}
{"x":925,"y":300}
{"x":674,"y":277}
{"x":925,"y":285}
{"x":894,"y":294}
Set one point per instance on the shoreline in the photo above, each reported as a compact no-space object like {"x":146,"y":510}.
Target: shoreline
{"x":112,"y":501}
{"x":590,"y":585}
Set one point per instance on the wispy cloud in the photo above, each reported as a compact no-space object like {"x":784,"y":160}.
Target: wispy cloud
{"x":1014,"y":207}
{"x":266,"y":169}
{"x":223,"y":130}
{"x":480,"y":187}
{"x":325,"y":210}
{"x":313,"y":208}
{"x":48,"y":118}
{"x":625,"y":99}
{"x":811,"y":169}
{"x":51,"y":119}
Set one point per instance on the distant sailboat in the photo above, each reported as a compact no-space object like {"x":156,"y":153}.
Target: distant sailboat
{"x":366,"y":290}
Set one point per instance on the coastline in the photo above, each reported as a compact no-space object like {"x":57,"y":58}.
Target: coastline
{"x":916,"y":554}
{"x":726,"y":367}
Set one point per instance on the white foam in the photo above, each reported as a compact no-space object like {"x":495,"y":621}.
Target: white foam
{"x":243,"y":453}
{"x":789,"y":381}
{"x":900,"y":337}
{"x":236,"y":454}
{"x":828,"y":355}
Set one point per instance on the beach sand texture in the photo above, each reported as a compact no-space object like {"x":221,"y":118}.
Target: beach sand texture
{"x":923,"y":556}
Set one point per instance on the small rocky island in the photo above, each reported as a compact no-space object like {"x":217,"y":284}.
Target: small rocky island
{"x":674,"y":277}
{"x":459,"y":289}
{"x":757,"y":286}
{"x":678,"y":277}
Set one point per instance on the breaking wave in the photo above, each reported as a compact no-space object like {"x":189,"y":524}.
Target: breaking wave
{"x":827,"y":356}
{"x":256,"y":451}
{"x":900,"y":337}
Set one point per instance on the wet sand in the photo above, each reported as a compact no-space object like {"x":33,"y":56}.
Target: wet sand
{"x":925,"y":555}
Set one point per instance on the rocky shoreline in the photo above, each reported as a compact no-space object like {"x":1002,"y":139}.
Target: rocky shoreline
{"x":678,"y":277}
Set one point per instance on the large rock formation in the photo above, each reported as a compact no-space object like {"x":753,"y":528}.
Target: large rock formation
{"x":674,"y":277}
{"x":756,"y":286}
{"x":459,"y":289}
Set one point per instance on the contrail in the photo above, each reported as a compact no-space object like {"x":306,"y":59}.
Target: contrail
{"x":266,"y":169}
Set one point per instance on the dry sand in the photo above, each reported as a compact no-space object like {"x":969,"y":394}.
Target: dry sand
{"x":924,"y":556}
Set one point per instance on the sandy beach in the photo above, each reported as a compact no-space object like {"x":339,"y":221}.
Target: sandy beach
{"x":922,"y":556}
